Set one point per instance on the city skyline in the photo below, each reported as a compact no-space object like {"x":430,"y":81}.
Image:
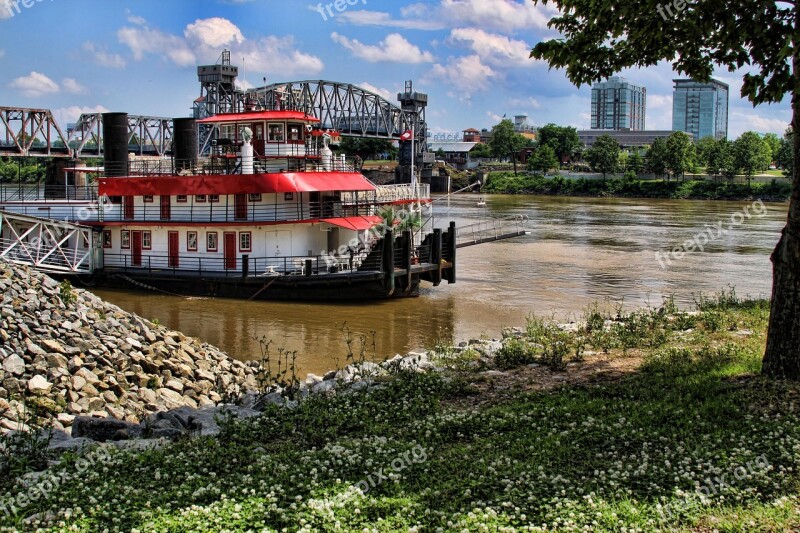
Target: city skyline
{"x":470,"y":56}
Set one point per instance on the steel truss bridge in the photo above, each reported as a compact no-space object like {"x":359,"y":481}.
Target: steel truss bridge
{"x":347,"y":108}
{"x":28,"y":132}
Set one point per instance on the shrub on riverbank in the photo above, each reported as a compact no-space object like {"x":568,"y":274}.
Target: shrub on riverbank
{"x":507,"y":183}
{"x":692,"y":441}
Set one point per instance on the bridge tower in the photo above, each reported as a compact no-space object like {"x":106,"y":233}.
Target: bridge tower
{"x":414,"y":104}
{"x":218,"y":92}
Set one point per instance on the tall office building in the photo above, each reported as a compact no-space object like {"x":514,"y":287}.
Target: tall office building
{"x":700,"y":108}
{"x":618,"y":105}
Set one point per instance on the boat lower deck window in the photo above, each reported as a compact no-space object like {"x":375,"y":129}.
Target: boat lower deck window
{"x":245,"y":241}
{"x":211,"y":241}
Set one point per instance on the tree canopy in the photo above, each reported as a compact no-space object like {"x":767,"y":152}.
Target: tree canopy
{"x":562,"y":139}
{"x":506,"y":142}
{"x":543,"y":159}
{"x":603,"y":156}
{"x":680,"y":153}
{"x":600,"y":38}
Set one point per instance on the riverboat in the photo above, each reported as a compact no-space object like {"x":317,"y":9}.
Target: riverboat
{"x":270,"y":212}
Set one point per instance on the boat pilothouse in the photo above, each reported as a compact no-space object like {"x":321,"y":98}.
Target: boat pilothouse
{"x":270,"y":212}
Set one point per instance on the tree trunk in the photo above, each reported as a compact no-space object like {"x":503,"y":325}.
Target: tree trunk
{"x":514,"y":159}
{"x":782,"y":356}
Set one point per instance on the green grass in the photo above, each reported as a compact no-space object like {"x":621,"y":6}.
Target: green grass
{"x":507,"y":183}
{"x":600,"y":457}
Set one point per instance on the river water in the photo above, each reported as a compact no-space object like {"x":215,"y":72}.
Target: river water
{"x":580,"y":250}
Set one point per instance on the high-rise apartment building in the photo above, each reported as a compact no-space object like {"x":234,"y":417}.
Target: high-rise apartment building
{"x":700,"y":108}
{"x":618,"y":105}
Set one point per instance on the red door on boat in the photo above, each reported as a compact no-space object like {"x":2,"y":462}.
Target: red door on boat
{"x":174,"y":257}
{"x":230,"y":251}
{"x":136,"y":248}
{"x":241,"y":207}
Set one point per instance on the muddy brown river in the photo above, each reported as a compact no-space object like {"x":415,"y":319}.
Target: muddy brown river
{"x":580,"y":250}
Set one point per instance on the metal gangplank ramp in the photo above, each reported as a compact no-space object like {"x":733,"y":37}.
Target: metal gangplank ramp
{"x":490,"y":230}
{"x":50,"y":246}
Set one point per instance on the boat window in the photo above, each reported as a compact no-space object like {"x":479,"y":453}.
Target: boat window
{"x":228,"y":131}
{"x":148,"y":198}
{"x":191,"y":241}
{"x":200,"y":198}
{"x":126,"y":240}
{"x":213,"y":198}
{"x":211,"y":241}
{"x":276,"y":132}
{"x":295,"y":133}
{"x":147,"y":241}
{"x":245,"y":241}
{"x":255,"y":197}
{"x":182,"y":199}
{"x":107,"y":239}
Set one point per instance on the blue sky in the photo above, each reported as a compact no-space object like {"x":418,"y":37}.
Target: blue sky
{"x":470,"y":56}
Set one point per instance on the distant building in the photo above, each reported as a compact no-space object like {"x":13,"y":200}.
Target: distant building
{"x":521,"y":124}
{"x":618,"y":105}
{"x":471,"y":135}
{"x":700,"y":108}
{"x":626,"y":139}
{"x":455,"y":154}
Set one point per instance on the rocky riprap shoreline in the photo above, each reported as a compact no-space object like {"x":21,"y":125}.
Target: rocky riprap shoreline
{"x":93,"y":372}
{"x":69,"y":354}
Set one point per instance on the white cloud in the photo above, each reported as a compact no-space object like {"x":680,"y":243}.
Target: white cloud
{"x":385,"y":93}
{"x":203,"y":39}
{"x":34,"y":85}
{"x":394,"y":48}
{"x":494,"y":48}
{"x":740,"y":121}
{"x":467,"y":73}
{"x":523,"y":104}
{"x":101,"y":56}
{"x":5,"y":10}
{"x":659,"y":111}
{"x":65,"y":115}
{"x":494,"y":117}
{"x":143,"y":41}
{"x":214,"y":32}
{"x":379,"y":18}
{"x":72,"y":86}
{"x":2,"y":53}
{"x":277,"y":56}
{"x":500,"y":15}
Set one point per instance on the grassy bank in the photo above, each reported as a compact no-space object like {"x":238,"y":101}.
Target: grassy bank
{"x":507,"y":183}
{"x":653,"y":420}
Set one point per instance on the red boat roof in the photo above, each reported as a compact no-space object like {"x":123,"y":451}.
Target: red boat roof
{"x":258,"y":115}
{"x":235,"y":184}
{"x":354,"y":223}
